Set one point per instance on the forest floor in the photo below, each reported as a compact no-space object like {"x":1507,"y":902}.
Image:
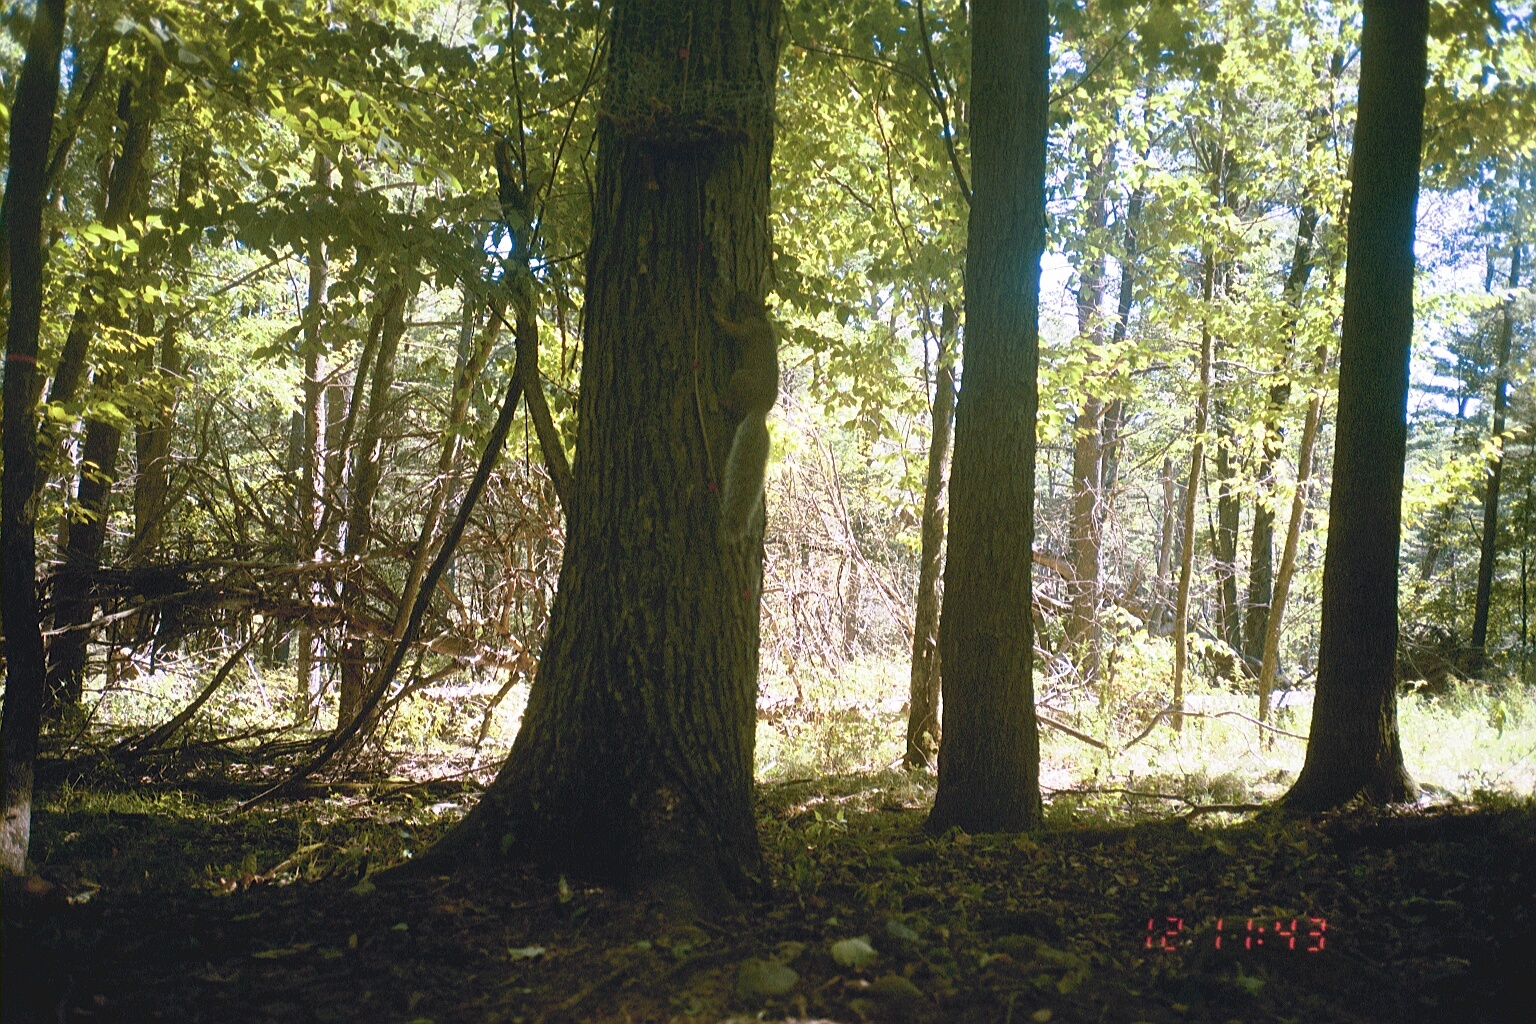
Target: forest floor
{"x":171,"y":906}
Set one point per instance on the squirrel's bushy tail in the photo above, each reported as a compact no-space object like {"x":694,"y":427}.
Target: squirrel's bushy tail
{"x":745,"y":468}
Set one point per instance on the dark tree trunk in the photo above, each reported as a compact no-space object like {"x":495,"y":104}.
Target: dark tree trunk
{"x":31,"y":125}
{"x":1262,"y":551}
{"x":634,"y":760}
{"x":989,"y":757}
{"x":923,"y":709}
{"x":85,"y":536}
{"x":152,"y":443}
{"x":123,"y":190}
{"x":1353,"y":748}
{"x":1488,"y":552}
{"x":367,"y":471}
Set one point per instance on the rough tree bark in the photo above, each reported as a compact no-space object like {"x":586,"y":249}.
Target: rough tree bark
{"x":1489,"y":549}
{"x":31,"y":125}
{"x":1262,"y":549}
{"x":634,"y":760}
{"x":1191,"y":491}
{"x":1353,"y":748}
{"x":989,"y":756}
{"x":923,"y":709}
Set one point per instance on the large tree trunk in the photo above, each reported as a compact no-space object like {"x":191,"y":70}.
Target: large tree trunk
{"x":1353,"y":748}
{"x":634,"y":760}
{"x":1191,"y":492}
{"x":367,"y":472}
{"x":1488,"y":551}
{"x":989,"y":756}
{"x":1262,"y":550}
{"x":31,"y":125}
{"x":923,"y":705}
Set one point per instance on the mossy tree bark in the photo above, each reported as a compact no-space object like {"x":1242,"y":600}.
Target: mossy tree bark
{"x":989,"y":756}
{"x":1353,"y":749}
{"x":634,"y":760}
{"x":31,"y":126}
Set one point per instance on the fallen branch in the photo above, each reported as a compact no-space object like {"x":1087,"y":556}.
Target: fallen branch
{"x":1062,"y":727}
{"x":158,"y":737}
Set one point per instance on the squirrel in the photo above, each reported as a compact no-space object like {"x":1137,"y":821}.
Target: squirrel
{"x":751,"y":392}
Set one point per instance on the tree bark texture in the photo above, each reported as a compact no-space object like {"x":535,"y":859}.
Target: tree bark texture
{"x":923,"y":701}
{"x":1353,"y":748}
{"x":37,"y":94}
{"x":1489,"y":550}
{"x":634,"y":759}
{"x":989,"y":756}
{"x":1261,"y":552}
{"x":1187,"y":517}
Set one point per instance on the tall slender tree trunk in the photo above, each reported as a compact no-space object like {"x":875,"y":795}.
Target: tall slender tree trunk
{"x":1489,"y":549}
{"x":1269,"y":664}
{"x":1191,"y":491}
{"x":1082,"y":625}
{"x":1228,"y":519}
{"x":1167,"y":548}
{"x":1114,"y":412}
{"x":311,"y":483}
{"x":989,"y":755}
{"x":1353,"y":748}
{"x":367,"y":472}
{"x":634,"y":760}
{"x":471,"y":363}
{"x":140,"y":102}
{"x":31,"y":126}
{"x":923,"y":703}
{"x":152,"y":442}
{"x":1261,"y":551}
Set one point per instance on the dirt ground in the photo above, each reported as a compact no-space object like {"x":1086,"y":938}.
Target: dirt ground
{"x":1430,"y":916}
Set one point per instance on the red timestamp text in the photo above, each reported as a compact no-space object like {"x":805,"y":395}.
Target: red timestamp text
{"x":1307,"y":935}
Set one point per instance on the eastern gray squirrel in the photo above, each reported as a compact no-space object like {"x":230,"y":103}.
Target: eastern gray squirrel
{"x":751,"y":392}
